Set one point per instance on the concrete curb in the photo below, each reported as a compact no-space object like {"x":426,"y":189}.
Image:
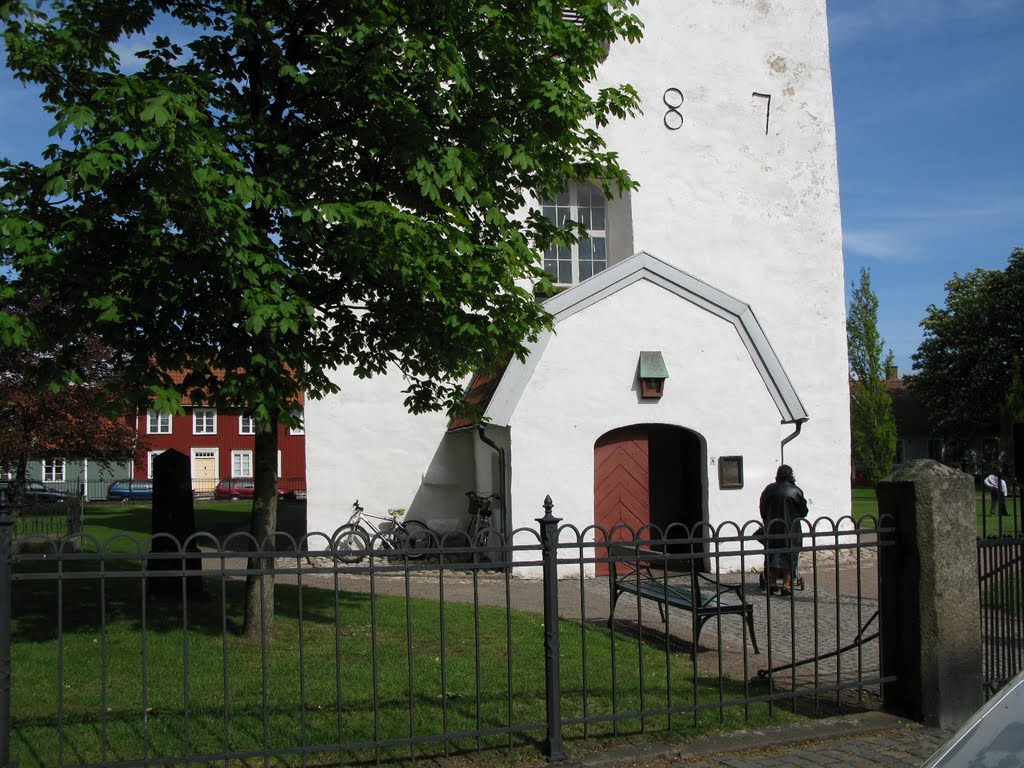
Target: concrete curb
{"x":747,"y":740}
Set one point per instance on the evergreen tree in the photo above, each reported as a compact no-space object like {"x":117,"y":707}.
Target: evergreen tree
{"x":872,"y":425}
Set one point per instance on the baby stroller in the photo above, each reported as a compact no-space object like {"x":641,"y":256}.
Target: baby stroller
{"x":762,"y":578}
{"x":798,"y":580}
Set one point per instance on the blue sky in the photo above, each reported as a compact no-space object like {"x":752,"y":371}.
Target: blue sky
{"x":929,"y":101}
{"x":930,"y":116}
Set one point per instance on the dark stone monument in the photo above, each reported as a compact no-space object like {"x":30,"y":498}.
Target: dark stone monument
{"x":174,"y":514}
{"x":928,"y":600}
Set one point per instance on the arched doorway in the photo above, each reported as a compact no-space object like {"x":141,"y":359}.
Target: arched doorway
{"x":648,"y":474}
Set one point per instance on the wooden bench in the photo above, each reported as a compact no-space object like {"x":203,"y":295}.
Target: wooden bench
{"x":635,"y":570}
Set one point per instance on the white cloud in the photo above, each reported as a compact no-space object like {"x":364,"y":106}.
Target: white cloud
{"x":129,"y":45}
{"x":126,"y":48}
{"x":979,"y":209}
{"x":949,"y":211}
{"x":881,"y":245}
{"x":902,"y":234}
{"x":853,"y":20}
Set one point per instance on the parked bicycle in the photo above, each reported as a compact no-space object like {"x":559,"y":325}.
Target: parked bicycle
{"x":480,"y":512}
{"x":364,"y":532}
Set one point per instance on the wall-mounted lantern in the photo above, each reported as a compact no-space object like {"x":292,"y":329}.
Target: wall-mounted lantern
{"x":652,"y":375}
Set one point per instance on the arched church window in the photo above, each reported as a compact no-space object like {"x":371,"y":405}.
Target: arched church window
{"x":569,"y":264}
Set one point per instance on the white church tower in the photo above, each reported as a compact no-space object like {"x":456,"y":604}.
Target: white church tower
{"x":702,"y":341}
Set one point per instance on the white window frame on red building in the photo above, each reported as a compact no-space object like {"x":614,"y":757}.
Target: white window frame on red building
{"x":241,"y":464}
{"x":204,"y":421}
{"x":158,"y":423}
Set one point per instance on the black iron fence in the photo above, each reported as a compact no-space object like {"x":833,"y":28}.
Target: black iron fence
{"x":141,"y":489}
{"x":122,"y":653}
{"x":40,"y":523}
{"x":1000,"y":508}
{"x":1001,"y":583}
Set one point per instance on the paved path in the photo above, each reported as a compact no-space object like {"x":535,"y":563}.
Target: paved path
{"x":853,"y":741}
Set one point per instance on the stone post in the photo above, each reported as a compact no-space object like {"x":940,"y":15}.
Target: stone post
{"x":930,"y":614}
{"x":174,"y":514}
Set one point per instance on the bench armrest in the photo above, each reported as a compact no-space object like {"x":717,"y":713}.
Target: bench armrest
{"x":717,"y":589}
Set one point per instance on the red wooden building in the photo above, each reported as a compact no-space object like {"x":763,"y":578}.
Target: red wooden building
{"x":219,"y":444}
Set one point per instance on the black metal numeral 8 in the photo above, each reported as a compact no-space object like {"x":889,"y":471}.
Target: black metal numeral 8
{"x":673,"y":118}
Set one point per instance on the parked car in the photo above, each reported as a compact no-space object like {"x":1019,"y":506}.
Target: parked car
{"x":243,"y":488}
{"x":234,"y":488}
{"x":992,"y":736}
{"x":291,"y":488}
{"x":36,"y":492}
{"x":130,"y":490}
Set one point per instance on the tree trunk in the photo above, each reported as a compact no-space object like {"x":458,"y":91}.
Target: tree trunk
{"x":20,"y":482}
{"x":259,"y":587}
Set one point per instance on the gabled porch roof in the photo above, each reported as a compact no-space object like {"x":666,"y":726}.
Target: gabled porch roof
{"x":503,"y":398}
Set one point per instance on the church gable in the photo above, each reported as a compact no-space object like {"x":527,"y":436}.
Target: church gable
{"x":687,"y":288}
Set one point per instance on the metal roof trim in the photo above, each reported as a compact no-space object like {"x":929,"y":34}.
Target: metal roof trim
{"x":644,"y":266}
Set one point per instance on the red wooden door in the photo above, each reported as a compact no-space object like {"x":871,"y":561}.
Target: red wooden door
{"x":622,"y":484}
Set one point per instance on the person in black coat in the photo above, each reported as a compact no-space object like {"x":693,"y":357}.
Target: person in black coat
{"x":782,"y":506}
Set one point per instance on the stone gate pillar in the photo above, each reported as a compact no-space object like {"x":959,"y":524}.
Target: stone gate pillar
{"x":931,"y":624}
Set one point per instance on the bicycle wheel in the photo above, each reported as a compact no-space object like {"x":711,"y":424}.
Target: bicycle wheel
{"x":417,"y":538}
{"x":482,"y":536}
{"x":386,"y":542}
{"x":349,"y":544}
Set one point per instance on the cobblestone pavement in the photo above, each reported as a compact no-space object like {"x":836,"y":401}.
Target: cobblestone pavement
{"x":854,"y":741}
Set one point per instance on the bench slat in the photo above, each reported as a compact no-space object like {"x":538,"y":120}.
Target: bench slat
{"x":639,"y":579}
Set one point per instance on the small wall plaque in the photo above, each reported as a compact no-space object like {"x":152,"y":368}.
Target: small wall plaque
{"x":730,"y":472}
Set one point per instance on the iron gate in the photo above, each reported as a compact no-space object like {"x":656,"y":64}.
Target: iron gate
{"x":1001,"y":591}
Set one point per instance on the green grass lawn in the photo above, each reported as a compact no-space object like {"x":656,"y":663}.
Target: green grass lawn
{"x":865,"y":504}
{"x":354,"y":669}
{"x":125,"y":527}
{"x":133,"y":678}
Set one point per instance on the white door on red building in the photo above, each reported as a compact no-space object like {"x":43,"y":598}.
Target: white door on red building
{"x":204,"y":469}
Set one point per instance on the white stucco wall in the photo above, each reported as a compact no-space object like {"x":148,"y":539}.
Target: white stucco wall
{"x":754,"y":215}
{"x":363,"y":444}
{"x":577,"y":394}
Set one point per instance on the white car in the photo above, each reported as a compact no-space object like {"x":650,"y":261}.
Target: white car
{"x":992,"y":738}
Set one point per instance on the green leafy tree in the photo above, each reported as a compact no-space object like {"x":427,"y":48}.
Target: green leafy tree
{"x":967,"y":366}
{"x":303,"y":186}
{"x":872,"y":425}
{"x":1011,"y":415}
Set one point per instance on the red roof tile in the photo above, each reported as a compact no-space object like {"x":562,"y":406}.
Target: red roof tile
{"x":478,"y":396}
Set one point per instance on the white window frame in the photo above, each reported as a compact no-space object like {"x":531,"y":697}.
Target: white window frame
{"x":241,"y":460}
{"x":565,"y":207}
{"x":158,"y":423}
{"x":200,"y":417}
{"x":54,"y":470}
{"x":246,"y":425}
{"x":149,"y":462}
{"x":299,"y":430}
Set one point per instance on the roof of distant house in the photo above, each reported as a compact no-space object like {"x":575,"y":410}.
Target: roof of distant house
{"x":178,"y":377}
{"x":478,"y":396}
